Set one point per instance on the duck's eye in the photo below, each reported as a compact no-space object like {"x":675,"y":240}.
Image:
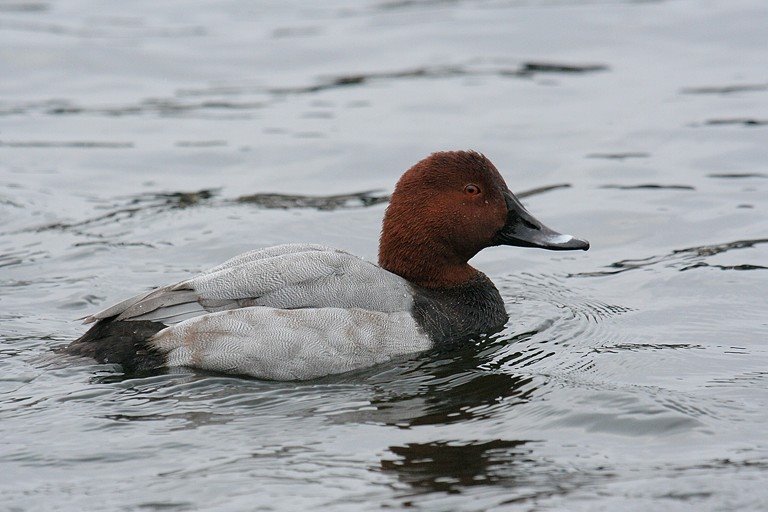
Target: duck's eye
{"x":472,"y":189}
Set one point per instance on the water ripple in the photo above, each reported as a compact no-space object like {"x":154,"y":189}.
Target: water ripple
{"x":683,"y":259}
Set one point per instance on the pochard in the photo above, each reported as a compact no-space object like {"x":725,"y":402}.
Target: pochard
{"x":300,"y":311}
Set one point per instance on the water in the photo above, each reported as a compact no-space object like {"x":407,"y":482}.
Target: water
{"x":629,"y":377}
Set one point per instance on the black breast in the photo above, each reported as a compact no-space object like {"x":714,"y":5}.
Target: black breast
{"x":467,"y":310}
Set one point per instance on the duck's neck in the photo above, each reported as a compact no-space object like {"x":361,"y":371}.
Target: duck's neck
{"x":426,"y":264}
{"x":422,"y":246}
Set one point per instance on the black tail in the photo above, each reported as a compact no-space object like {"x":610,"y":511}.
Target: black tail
{"x":120,"y":342}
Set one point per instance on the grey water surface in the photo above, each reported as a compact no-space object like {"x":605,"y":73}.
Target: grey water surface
{"x":143,"y":141}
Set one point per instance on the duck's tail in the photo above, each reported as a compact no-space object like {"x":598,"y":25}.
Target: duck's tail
{"x":121,"y":342}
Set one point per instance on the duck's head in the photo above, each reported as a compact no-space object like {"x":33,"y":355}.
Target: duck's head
{"x":447,"y":208}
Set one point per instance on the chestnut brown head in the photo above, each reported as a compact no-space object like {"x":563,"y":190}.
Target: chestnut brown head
{"x":447,"y":208}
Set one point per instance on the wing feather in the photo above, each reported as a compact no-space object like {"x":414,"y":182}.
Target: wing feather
{"x":162,"y":298}
{"x":287,"y":276}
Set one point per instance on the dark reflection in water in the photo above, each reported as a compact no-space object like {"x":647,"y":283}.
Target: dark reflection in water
{"x":737,"y":175}
{"x":745,"y":266}
{"x":650,"y":186}
{"x":738,"y":121}
{"x":333,"y":202}
{"x":509,"y":471}
{"x":554,"y":67}
{"x":135,"y":205}
{"x":525,"y":70}
{"x":21,"y":6}
{"x":451,"y":466}
{"x":619,"y":156}
{"x":447,"y":393}
{"x":726,"y":89}
{"x":161,"y":107}
{"x":80,"y":144}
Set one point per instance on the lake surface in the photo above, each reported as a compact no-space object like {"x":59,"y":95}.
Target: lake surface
{"x":144,"y":141}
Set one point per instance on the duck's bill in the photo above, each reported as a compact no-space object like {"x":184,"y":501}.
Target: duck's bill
{"x":524,"y":230}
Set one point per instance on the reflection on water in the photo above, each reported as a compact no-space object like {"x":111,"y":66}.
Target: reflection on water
{"x":738,"y":121}
{"x":651,"y":186}
{"x":334,"y":202}
{"x":446,"y":467}
{"x":448,"y":387}
{"x":726,"y":89}
{"x":140,"y":145}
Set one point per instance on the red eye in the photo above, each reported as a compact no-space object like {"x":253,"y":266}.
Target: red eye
{"x":472,"y":189}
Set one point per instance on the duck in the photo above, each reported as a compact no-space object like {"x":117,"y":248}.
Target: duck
{"x":302,"y":311}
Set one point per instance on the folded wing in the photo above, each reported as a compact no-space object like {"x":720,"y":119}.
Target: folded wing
{"x":285,"y":277}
